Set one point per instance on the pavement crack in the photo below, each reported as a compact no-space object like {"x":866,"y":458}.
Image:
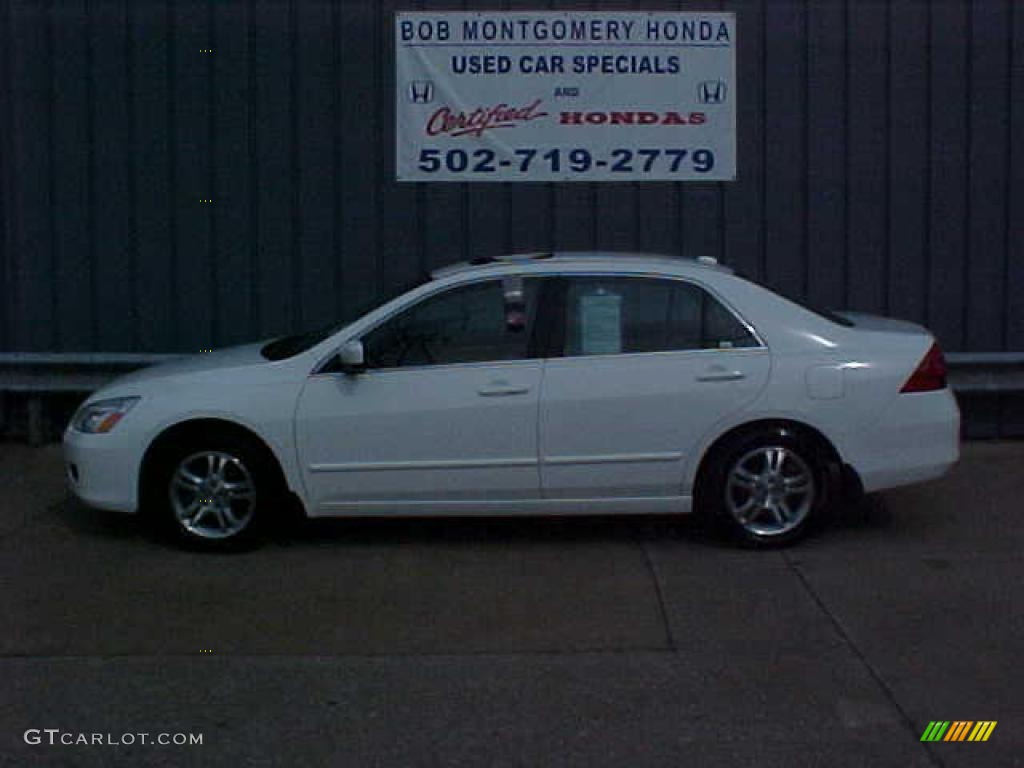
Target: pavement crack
{"x":874,"y":673}
{"x":660,"y":595}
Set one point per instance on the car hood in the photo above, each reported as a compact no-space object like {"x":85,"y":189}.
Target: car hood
{"x":230,"y":357}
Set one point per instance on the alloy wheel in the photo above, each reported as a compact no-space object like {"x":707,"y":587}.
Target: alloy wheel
{"x":770,"y":491}
{"x":212,"y":495}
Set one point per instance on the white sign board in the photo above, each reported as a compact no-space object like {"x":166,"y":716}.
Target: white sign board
{"x":560,"y":96}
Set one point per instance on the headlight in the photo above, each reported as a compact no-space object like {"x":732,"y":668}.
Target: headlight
{"x":103,"y":415}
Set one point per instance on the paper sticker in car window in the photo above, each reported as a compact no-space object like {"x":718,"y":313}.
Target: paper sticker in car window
{"x":600,"y":323}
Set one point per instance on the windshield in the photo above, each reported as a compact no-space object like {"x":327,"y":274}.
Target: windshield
{"x":828,"y":314}
{"x":803,"y":303}
{"x":296,"y":344}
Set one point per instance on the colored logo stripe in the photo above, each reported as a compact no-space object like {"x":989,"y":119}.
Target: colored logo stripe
{"x":935,"y":730}
{"x":958,"y":730}
{"x":982,"y":730}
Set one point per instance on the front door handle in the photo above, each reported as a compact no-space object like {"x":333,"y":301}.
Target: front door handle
{"x":720,"y":374}
{"x":501,"y":390}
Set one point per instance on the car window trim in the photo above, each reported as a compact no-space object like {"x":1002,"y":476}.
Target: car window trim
{"x":520,"y":362}
{"x":547,"y":338}
{"x":711,"y":351}
{"x":550,"y":330}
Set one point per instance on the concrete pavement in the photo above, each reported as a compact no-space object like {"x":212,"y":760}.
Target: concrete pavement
{"x":598,"y":642}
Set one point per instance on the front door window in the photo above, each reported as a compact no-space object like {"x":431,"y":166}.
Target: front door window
{"x":487,"y":321}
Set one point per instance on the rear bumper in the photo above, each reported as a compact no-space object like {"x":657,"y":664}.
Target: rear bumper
{"x":916,"y":438}
{"x":101,"y":471}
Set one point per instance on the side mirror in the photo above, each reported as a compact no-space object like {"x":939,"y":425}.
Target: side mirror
{"x":351,"y":358}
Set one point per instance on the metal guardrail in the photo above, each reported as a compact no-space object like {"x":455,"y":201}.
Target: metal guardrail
{"x":41,"y":376}
{"x":970,"y":372}
{"x":37,"y":376}
{"x":68,"y":372}
{"x":986,"y":372}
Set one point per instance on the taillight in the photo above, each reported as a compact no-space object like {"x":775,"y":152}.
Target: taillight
{"x":930,"y":373}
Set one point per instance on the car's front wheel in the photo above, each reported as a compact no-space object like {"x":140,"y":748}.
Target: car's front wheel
{"x":214,"y":492}
{"x":766,"y":488}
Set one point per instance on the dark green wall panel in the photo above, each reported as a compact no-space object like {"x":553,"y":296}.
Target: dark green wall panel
{"x":879,"y":168}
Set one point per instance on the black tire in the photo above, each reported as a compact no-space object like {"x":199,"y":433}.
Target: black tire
{"x":764,"y":488}
{"x":238,"y":509}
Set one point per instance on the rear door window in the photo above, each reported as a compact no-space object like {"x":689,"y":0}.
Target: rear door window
{"x":623,"y":315}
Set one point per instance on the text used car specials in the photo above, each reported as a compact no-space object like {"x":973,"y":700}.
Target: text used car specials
{"x":555,"y":96}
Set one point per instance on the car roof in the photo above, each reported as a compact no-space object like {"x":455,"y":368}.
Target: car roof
{"x":553,"y":261}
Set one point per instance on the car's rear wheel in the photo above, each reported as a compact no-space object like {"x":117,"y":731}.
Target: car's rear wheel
{"x":214,"y":492}
{"x":765,"y":488}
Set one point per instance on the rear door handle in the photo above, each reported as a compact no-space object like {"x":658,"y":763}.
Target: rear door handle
{"x":502,"y":390}
{"x":715,"y":374}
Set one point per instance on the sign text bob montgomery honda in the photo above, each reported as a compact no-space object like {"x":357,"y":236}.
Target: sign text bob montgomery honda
{"x":555,"y":96}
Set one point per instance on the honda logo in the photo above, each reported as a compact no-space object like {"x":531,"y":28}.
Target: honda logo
{"x":421,"y":91}
{"x":711,"y":92}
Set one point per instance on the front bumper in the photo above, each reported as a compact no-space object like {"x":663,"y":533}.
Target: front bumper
{"x":102,"y":470}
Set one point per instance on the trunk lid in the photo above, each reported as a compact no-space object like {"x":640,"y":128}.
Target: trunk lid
{"x":862,"y":321}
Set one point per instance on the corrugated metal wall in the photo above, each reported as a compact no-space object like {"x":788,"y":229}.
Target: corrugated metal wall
{"x":880,"y":168}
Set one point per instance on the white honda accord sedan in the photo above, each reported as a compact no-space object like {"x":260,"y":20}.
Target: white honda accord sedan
{"x":568,"y":383}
